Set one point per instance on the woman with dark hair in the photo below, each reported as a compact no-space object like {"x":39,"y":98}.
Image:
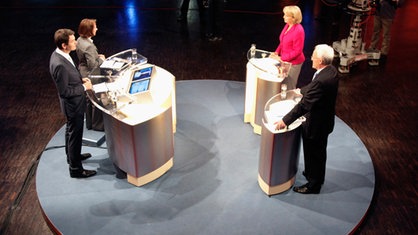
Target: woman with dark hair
{"x":87,"y":54}
{"x":89,"y":59}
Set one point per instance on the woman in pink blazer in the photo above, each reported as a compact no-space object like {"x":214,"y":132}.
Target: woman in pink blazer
{"x":291,"y":44}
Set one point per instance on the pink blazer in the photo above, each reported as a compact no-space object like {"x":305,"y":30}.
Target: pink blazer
{"x":290,"y":48}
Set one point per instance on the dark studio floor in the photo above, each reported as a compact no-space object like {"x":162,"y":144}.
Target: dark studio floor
{"x":378,"y":103}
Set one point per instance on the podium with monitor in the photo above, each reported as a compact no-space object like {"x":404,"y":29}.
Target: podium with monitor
{"x":263,"y":80}
{"x":138,"y":102}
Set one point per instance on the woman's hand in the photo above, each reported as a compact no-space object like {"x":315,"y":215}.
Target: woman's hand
{"x":275,"y":56}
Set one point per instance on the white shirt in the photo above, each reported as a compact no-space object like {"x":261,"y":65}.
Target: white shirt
{"x":316,"y":73}
{"x":66,"y":56}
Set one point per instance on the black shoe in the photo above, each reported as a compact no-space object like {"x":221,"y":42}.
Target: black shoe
{"x":85,"y":156}
{"x":307,"y":189}
{"x":82,"y":173}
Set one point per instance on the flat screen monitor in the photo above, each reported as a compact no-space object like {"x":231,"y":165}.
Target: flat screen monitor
{"x":141,"y":80}
{"x":139,"y":86}
{"x":142,"y":73}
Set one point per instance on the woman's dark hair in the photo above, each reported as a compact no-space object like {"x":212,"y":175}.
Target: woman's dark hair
{"x":85,"y":29}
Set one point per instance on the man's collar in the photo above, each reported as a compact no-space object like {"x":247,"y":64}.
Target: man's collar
{"x":61,"y":52}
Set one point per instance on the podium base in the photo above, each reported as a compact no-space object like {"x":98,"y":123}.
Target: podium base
{"x":256,"y":128}
{"x":150,"y":176}
{"x":276,"y":189}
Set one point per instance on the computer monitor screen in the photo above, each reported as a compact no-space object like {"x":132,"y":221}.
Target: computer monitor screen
{"x":139,"y":86}
{"x":142,"y":73}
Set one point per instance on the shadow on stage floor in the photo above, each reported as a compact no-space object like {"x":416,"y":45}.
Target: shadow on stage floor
{"x":212,"y":187}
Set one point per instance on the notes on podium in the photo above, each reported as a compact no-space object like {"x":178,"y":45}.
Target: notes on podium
{"x":276,"y":112}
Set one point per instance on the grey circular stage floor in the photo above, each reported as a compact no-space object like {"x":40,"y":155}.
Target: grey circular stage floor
{"x":212,"y":187}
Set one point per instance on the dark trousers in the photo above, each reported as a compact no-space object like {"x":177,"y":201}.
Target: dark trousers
{"x":213,"y":11}
{"x":315,"y":157}
{"x":73,"y":140}
{"x":94,"y":117}
{"x":184,"y":8}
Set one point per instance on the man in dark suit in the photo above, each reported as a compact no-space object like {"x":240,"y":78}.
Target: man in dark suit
{"x":71,"y":90}
{"x":318,"y":107}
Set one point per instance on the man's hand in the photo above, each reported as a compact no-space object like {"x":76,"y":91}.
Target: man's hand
{"x":280,"y":125}
{"x":87,"y":84}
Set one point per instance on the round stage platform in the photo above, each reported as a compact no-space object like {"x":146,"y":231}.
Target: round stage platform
{"x":212,"y":187}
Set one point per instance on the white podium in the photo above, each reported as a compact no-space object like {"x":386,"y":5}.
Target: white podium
{"x":263,"y":80}
{"x":139,"y":113}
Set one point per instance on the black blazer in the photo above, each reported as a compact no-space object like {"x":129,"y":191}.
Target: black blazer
{"x":69,"y":84}
{"x":317,"y":104}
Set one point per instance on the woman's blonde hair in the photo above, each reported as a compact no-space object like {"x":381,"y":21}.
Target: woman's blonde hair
{"x":295,"y":12}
